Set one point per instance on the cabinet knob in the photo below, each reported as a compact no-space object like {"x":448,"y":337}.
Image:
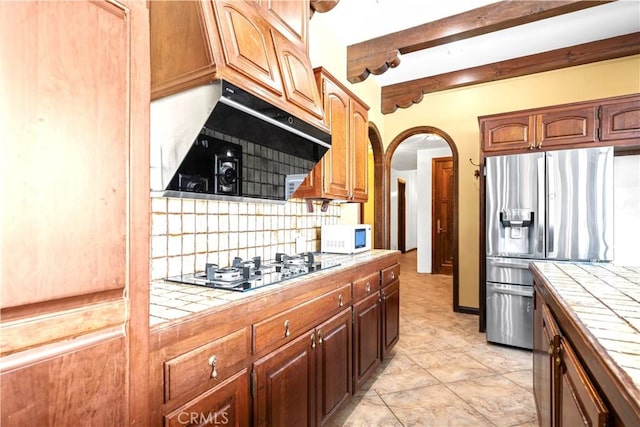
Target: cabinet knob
{"x":319,"y":337}
{"x":287,"y":332}
{"x":340,"y":302}
{"x":393,"y":275}
{"x":213,"y":361}
{"x":550,"y":348}
{"x":368,"y":287}
{"x":532,"y":146}
{"x":313,"y":340}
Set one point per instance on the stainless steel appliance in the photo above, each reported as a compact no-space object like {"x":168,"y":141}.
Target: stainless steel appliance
{"x":245,"y":275}
{"x":555,"y":205}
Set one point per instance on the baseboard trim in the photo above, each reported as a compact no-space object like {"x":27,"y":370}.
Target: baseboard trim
{"x":467,"y":310}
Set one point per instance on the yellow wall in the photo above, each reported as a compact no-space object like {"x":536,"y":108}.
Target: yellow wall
{"x":456,"y":112}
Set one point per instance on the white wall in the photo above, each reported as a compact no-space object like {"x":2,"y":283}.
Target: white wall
{"x":626,"y":210}
{"x":423,"y":206}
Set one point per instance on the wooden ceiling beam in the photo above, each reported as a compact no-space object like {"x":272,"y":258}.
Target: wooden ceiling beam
{"x":405,"y":94}
{"x":379,"y":54}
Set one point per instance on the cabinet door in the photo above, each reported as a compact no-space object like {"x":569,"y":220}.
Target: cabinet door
{"x":299,"y":85}
{"x":86,"y":383}
{"x":508,"y":133}
{"x":226,"y":404}
{"x":359,"y":152}
{"x":181,"y":56}
{"x":571,"y":126}
{"x":333,"y":365}
{"x":66,"y":138}
{"x":336,"y":163}
{"x":291,"y":18}
{"x":390,"y":316}
{"x":579,"y":402}
{"x":366,"y":338}
{"x":285,"y":384}
{"x":248,"y":50}
{"x":620,"y":120}
{"x":542,"y":375}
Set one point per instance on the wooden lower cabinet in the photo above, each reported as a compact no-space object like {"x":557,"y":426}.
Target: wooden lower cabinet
{"x":308,"y":380}
{"x":578,"y":401}
{"x":366,"y":338}
{"x":563,"y":391}
{"x":390,"y":296}
{"x":226,"y":404}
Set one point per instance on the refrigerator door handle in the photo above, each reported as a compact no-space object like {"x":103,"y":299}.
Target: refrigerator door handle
{"x":541,"y":206}
{"x":551,"y":213}
{"x":515,"y":292}
{"x":522,"y":266}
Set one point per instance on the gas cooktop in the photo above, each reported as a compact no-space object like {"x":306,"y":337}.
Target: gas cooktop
{"x":245,"y":275}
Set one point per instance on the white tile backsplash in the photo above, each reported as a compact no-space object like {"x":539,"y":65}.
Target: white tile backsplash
{"x":187,"y":234}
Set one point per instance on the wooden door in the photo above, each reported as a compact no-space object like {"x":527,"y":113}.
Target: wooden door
{"x":336,"y":163}
{"x":508,"y":132}
{"x":390,"y":316}
{"x":579,"y":402}
{"x":285,"y":384}
{"x":402,"y":216}
{"x":333,"y":365}
{"x":542,"y":376}
{"x":225,"y":404}
{"x":359,"y":152}
{"x":248,"y":50}
{"x":366,"y":338}
{"x":442,"y":216}
{"x":567,"y":126}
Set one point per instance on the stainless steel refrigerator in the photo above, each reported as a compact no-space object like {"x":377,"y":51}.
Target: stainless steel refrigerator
{"x":555,"y":206}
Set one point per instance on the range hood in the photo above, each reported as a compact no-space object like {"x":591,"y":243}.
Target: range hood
{"x":218,"y":141}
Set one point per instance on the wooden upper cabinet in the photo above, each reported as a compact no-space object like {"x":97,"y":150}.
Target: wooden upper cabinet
{"x":291,"y":18}
{"x":247,"y":47}
{"x":259,"y":46}
{"x":566,"y":126}
{"x":342,"y":174}
{"x":299,"y":84}
{"x":359,"y":152}
{"x":621,"y":120}
{"x":181,"y":52}
{"x":611,"y":121}
{"x":508,"y":132}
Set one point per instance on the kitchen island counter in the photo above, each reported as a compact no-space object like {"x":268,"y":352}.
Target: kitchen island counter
{"x":597,"y":307}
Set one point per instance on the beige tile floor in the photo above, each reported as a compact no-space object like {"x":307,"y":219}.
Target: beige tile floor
{"x":443,"y":372}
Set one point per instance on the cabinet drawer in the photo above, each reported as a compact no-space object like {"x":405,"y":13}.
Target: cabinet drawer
{"x":390,"y":274}
{"x":206,"y":366}
{"x":282,"y":328}
{"x":366,"y":286}
{"x":226,"y":404}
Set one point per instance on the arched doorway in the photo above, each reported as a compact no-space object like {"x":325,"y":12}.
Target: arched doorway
{"x":387,"y":173}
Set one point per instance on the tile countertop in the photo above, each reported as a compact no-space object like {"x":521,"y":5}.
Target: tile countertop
{"x":605,"y":299}
{"x":170,"y":301}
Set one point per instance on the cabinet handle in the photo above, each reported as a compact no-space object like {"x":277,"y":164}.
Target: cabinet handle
{"x":313,"y":340}
{"x":213,"y":361}
{"x":287,"y":332}
{"x":539,"y":145}
{"x":532,"y":146}
{"x":319,"y":337}
{"x":550,"y":348}
{"x":368,"y":287}
{"x":340,"y":302}
{"x":393,"y":275}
